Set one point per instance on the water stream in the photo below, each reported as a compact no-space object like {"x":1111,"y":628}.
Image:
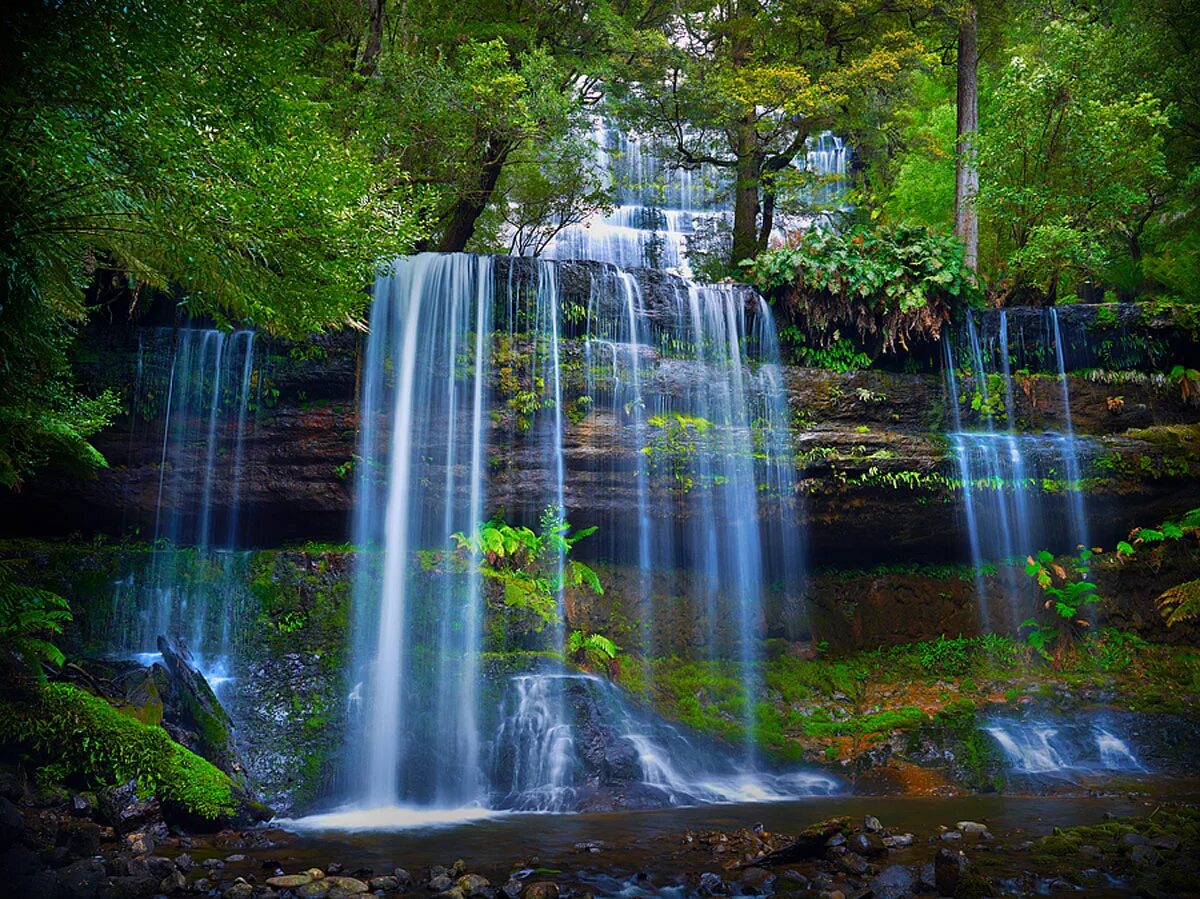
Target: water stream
{"x":1021,"y":491}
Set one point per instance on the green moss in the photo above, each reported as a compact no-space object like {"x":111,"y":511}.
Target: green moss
{"x":902,"y":718}
{"x":85,"y":740}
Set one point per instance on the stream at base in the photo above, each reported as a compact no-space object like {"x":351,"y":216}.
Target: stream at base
{"x":607,"y":852}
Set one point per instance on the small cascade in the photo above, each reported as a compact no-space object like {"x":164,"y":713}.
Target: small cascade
{"x":1021,"y":492}
{"x":1063,"y":748}
{"x":603,"y":748}
{"x":660,"y":211}
{"x":201,"y":387}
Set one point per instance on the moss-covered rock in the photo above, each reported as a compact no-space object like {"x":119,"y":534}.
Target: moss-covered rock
{"x":84,"y":741}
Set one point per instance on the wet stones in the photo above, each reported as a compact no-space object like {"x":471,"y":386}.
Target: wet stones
{"x":540,"y":889}
{"x":948,"y":869}
{"x":893,"y":882}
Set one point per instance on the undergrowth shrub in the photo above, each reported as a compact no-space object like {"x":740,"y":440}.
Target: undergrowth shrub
{"x":888,"y":285}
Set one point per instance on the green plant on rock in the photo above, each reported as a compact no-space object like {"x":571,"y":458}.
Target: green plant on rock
{"x":594,"y":651}
{"x":1181,"y":602}
{"x":30,"y":617}
{"x":1188,"y":381}
{"x":1068,"y":590}
{"x":533,"y":567}
{"x":890,"y":284}
{"x":675,"y":444}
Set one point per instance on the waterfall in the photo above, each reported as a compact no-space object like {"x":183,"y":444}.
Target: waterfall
{"x":200,"y":384}
{"x":691,"y":383}
{"x":1052,"y":748}
{"x":1021,"y":492}
{"x":661,"y":213}
{"x":420,"y":480}
{"x":688,"y":387}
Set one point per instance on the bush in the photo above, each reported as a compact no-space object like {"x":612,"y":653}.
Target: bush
{"x":84,"y":740}
{"x":888,"y":285}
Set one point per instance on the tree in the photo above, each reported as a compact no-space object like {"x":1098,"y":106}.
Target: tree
{"x":463,"y":89}
{"x":966,"y":171}
{"x":186,"y":148}
{"x":1063,"y":176}
{"x":746,"y":82}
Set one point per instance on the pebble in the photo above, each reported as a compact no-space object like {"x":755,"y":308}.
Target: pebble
{"x":898,"y":841}
{"x":952,"y":835}
{"x":970,"y":827}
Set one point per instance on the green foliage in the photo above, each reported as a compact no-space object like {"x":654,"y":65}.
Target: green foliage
{"x":198,"y":149}
{"x":92,"y":745}
{"x":1182,"y":601}
{"x":1059,"y":187}
{"x":30,"y":617}
{"x":922,"y":192}
{"x":886,"y":285}
{"x":1068,"y":590}
{"x":675,"y":444}
{"x":593,"y":650}
{"x":533,"y":567}
{"x":836,"y":355}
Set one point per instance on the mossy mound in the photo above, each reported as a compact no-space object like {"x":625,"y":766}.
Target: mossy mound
{"x":77,"y":738}
{"x":1157,"y":852}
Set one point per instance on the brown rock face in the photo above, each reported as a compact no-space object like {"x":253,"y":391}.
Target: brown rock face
{"x":874,"y":473}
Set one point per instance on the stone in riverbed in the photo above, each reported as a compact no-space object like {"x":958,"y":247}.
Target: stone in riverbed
{"x":288,"y":881}
{"x":711,"y":884}
{"x":316,"y":889}
{"x":540,"y":889}
{"x":387,"y":883}
{"x":1143,"y":856}
{"x":174,"y":882}
{"x":511,"y":889}
{"x":871,"y":824}
{"x":948,"y":868}
{"x":970,"y":827}
{"x":240,"y":890}
{"x":402,"y":875}
{"x":349,"y":886}
{"x":853,"y":863}
{"x":439,"y":883}
{"x":757,"y":880}
{"x":898,"y":841}
{"x":473,"y":884}
{"x":868,"y":844}
{"x":893,"y":882}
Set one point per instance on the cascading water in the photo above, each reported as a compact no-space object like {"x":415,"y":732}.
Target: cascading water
{"x":691,"y":387}
{"x":660,"y":212}
{"x":715,"y":444}
{"x":421,"y":480}
{"x":1060,"y":748}
{"x":202,"y":385}
{"x":1015,"y":486}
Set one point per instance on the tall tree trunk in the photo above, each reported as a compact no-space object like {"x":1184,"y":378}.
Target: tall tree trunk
{"x":745,"y":192}
{"x":369,"y":61}
{"x":966,"y":171}
{"x":461,"y":219}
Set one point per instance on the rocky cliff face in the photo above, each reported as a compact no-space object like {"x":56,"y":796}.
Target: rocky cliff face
{"x":875,"y":478}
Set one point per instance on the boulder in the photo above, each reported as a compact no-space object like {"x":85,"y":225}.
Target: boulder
{"x":948,"y":869}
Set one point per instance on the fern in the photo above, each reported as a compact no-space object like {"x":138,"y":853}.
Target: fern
{"x":29,"y":618}
{"x":1180,"y":603}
